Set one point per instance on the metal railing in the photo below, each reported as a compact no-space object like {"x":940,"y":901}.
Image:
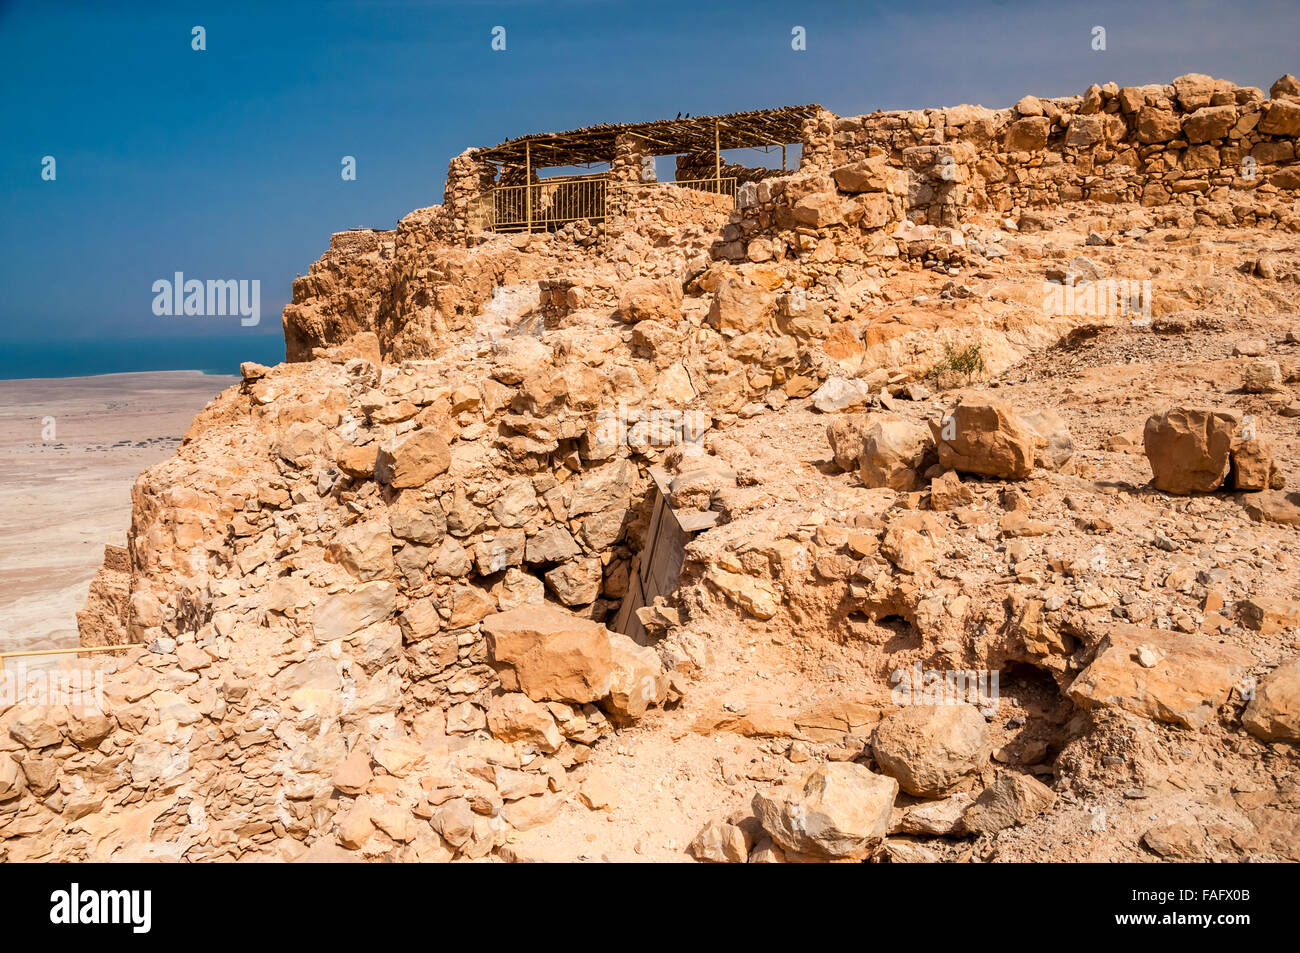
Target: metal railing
{"x":544,"y":206}
{"x":552,"y":203}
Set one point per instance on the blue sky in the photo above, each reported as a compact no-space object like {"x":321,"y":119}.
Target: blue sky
{"x":225,"y":163}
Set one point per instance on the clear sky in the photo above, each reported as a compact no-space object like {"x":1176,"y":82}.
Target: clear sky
{"x":226,"y":163}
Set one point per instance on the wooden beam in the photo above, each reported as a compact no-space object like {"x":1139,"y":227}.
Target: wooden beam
{"x":717,"y":154}
{"x":752,"y":129}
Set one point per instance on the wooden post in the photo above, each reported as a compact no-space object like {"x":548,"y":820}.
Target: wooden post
{"x":782,"y":158}
{"x":717,"y":158}
{"x":528,"y":184}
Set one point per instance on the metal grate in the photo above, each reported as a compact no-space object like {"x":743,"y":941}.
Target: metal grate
{"x":547,"y":205}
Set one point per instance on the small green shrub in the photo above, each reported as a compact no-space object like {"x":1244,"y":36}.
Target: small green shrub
{"x":958,"y":367}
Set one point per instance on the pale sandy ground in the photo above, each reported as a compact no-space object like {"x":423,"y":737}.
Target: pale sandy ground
{"x":62,"y":500}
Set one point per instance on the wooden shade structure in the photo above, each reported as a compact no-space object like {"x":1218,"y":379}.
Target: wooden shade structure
{"x":743,"y":130}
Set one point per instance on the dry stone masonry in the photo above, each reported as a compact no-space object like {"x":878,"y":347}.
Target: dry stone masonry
{"x":955,"y":574}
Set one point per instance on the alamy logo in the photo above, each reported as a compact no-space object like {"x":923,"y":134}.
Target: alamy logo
{"x":75,"y":906}
{"x":80,"y":687}
{"x":211,"y":298}
{"x":656,"y":428}
{"x":1106,"y":298}
{"x":917,"y":686}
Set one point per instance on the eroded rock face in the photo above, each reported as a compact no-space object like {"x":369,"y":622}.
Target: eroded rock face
{"x":102,"y":620}
{"x":931,"y":749}
{"x":838,"y":811}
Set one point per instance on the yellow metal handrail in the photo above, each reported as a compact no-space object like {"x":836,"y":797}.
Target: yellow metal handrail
{"x":29,"y":653}
{"x":550,"y":203}
{"x":543,"y":206}
{"x":722,"y":186}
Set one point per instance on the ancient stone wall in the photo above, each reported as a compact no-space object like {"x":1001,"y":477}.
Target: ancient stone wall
{"x":629,"y":164}
{"x":468,"y":178}
{"x":641,"y":207}
{"x":816,"y":214}
{"x":1191,"y":142}
{"x":869,"y":189}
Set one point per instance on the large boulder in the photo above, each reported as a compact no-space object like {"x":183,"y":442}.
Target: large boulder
{"x":895,"y":452}
{"x":364,"y":549}
{"x":1285,"y":86}
{"x":1157,"y":125}
{"x":1085,"y":131}
{"x":819,"y":209}
{"x":1011,"y":800}
{"x":516,"y":717}
{"x":719,"y":842}
{"x":840,"y":810}
{"x":1210,"y":122}
{"x":651,"y":299}
{"x":907,"y":549}
{"x":1058,"y":446}
{"x":740,"y":305}
{"x":1189,"y":448}
{"x":577,"y":582}
{"x":870,"y":175}
{"x":845,"y":437}
{"x":1161,"y":675}
{"x":1274,"y":713}
{"x":983,"y":435}
{"x":1028,"y":134}
{"x":1193,"y":91}
{"x":841,"y":393}
{"x":414,"y":460}
{"x":604,"y":488}
{"x":1281,"y":118}
{"x":931,"y":749}
{"x":1253,"y":468}
{"x":552,"y":655}
{"x":1262,"y":377}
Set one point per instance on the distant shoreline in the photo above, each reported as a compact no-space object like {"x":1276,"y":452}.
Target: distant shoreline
{"x":180,"y":372}
{"x":218,"y":355}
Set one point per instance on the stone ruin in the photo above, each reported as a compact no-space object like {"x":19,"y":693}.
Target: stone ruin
{"x":518,"y":499}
